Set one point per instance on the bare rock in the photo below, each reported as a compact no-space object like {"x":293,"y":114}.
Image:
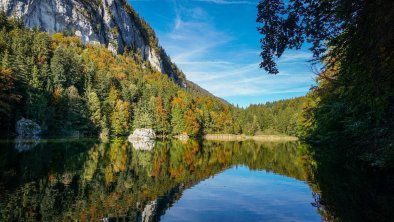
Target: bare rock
{"x":109,"y":22}
{"x":27,"y":129}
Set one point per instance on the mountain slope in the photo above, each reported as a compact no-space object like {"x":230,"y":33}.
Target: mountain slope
{"x":113,"y":23}
{"x":73,"y":89}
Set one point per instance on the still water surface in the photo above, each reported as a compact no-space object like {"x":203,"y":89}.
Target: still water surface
{"x":241,"y":194}
{"x":86,"y":180}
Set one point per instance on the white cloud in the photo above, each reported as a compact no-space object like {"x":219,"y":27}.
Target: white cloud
{"x":211,"y":58}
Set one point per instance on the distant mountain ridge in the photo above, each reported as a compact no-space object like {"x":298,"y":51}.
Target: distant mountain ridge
{"x":113,"y":23}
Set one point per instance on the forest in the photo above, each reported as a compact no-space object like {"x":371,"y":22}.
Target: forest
{"x":66,"y":87}
{"x":350,"y":111}
{"x":341,"y":165}
{"x":73,"y":89}
{"x":279,"y":117}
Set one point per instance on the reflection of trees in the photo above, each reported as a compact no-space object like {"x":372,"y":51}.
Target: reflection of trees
{"x":90,"y":181}
{"x":347,"y":191}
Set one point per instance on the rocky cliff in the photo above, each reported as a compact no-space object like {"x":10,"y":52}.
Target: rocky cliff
{"x":110,"y":22}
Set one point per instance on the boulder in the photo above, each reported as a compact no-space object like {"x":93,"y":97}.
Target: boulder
{"x":27,"y":129}
{"x":142,"y":135}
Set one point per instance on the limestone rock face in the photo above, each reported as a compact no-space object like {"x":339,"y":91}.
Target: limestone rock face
{"x":28,"y":129}
{"x":110,"y":22}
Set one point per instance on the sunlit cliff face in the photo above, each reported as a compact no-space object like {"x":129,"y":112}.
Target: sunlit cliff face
{"x":110,"y":22}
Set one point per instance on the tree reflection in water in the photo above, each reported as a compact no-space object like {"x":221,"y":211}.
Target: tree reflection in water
{"x":347,"y":191}
{"x":86,"y":180}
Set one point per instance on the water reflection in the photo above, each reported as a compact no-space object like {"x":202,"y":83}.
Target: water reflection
{"x":23,"y":144}
{"x":86,"y":180}
{"x":143,"y":144}
{"x":346,"y":191}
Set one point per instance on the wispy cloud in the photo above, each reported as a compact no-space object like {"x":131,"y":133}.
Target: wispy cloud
{"x":295,"y":56}
{"x":193,"y":37}
{"x":218,"y":59}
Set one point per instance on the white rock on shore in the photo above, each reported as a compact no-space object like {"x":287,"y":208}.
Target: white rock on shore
{"x":143,"y":139}
{"x":28,"y":129}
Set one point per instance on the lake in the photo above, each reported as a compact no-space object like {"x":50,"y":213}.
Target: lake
{"x":87,"y":180}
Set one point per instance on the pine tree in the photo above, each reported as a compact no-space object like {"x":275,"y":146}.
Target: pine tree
{"x":120,"y":118}
{"x":94,"y":108}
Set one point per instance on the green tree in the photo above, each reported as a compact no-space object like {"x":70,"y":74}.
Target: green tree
{"x":120,"y":118}
{"x":66,"y":68}
{"x":144,"y":115}
{"x":94,"y":107}
{"x":7,"y":96}
{"x":161,"y":116}
{"x":352,"y":105}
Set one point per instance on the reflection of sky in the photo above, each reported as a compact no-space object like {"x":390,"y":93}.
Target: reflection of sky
{"x":216,"y":44}
{"x":240,"y":194}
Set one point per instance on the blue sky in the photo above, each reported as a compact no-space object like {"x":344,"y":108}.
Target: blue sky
{"x":216,"y":44}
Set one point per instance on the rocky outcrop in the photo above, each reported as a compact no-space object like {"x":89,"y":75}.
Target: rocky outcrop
{"x":110,"y":22}
{"x":27,"y":129}
{"x":143,"y":139}
{"x":28,"y":135}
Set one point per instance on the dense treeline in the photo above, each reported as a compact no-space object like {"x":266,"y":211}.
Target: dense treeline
{"x":278,"y":117}
{"x":67,"y":87}
{"x":351,"y":110}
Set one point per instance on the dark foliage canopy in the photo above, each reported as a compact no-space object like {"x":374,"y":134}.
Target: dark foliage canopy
{"x":289,"y":24}
{"x":352,"y":105}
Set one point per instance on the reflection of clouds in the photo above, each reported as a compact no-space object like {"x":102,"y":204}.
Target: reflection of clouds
{"x":22,"y":144}
{"x":259,"y":195}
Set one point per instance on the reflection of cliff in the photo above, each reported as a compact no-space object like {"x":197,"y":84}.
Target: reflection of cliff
{"x":92,"y":181}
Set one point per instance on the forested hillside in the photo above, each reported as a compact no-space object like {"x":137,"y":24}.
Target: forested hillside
{"x":278,"y":117}
{"x":69,"y":87}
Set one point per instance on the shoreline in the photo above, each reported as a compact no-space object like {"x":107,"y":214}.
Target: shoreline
{"x":262,"y":138}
